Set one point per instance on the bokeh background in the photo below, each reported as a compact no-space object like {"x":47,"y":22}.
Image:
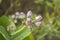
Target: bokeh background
{"x":37,"y":6}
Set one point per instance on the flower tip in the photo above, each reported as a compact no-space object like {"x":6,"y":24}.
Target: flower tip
{"x":29,"y":13}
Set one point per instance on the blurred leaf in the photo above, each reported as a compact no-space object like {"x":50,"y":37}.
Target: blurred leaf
{"x":30,"y":37}
{"x":49,"y":4}
{"x":43,"y":31}
{"x":48,"y":17}
{"x":21,"y":33}
{"x":4,"y":33}
{"x":5,"y":21}
{"x":57,"y":3}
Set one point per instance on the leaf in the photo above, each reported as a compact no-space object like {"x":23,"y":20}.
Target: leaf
{"x":4,"y":33}
{"x":30,"y":37}
{"x":1,"y":37}
{"x":5,"y":21}
{"x":21,"y":33}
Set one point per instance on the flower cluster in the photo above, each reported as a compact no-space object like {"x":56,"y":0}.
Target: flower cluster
{"x":28,"y":21}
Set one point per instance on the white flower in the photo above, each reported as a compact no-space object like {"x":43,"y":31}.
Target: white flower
{"x":38,"y":18}
{"x":38,"y":24}
{"x":12,"y":16}
{"x":17,"y":13}
{"x":11,"y":28}
{"x":29,"y":13}
{"x":15,"y":21}
{"x":22,"y":15}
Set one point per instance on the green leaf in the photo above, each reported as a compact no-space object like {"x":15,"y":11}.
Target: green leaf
{"x":30,"y":37}
{"x":4,"y":33}
{"x":21,"y":33}
{"x":5,"y":21}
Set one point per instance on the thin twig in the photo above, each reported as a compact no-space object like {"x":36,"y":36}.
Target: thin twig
{"x":11,"y":5}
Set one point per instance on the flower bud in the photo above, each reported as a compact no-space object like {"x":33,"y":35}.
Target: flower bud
{"x":11,"y":28}
{"x":16,"y":15}
{"x":22,"y":15}
{"x":38,"y":18}
{"x":38,"y":24}
{"x":15,"y":21}
{"x":29,"y":13}
{"x":28,"y":21}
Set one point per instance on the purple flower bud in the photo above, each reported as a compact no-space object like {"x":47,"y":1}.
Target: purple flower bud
{"x":38,"y":18}
{"x":29,"y":13}
{"x":28,"y":21}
